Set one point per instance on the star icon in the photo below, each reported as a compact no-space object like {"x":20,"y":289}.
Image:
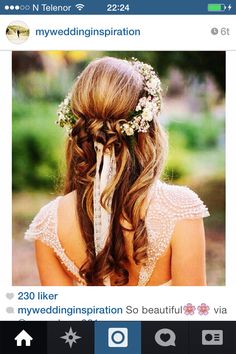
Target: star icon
{"x":70,"y":337}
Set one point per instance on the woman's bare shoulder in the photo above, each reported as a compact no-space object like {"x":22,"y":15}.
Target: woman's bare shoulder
{"x":69,"y":231}
{"x":67,"y":212}
{"x":68,"y":201}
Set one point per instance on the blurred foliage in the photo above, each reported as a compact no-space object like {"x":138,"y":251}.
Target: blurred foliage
{"x":178,"y":164}
{"x":196,"y":148}
{"x":45,"y":87}
{"x":37,"y":146}
{"x":199,"y":134}
{"x":183,"y":165}
{"x":194,"y":62}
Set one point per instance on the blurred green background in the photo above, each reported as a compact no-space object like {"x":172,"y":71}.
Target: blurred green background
{"x":193,"y":115}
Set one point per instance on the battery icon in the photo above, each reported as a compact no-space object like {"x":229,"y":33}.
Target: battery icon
{"x":216,"y":7}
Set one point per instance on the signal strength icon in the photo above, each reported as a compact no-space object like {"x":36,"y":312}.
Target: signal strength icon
{"x":79,"y":7}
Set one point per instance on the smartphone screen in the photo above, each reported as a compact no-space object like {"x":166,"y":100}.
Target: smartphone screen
{"x":117,"y":177}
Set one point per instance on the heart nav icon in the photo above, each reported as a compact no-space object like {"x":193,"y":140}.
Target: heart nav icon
{"x":165,"y":337}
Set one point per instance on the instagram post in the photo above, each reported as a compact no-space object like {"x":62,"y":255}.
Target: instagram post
{"x":118,"y":178}
{"x":192,"y":119}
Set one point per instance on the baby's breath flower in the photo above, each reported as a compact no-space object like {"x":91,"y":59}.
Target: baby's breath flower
{"x":66,"y":118}
{"x":129,"y":131}
{"x":148,"y":106}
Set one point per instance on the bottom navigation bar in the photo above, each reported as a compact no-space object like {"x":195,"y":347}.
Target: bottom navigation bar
{"x":118,"y":337}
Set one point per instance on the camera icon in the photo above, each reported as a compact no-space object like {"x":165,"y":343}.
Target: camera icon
{"x":118,"y":337}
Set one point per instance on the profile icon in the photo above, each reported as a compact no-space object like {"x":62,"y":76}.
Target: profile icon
{"x":17,"y":32}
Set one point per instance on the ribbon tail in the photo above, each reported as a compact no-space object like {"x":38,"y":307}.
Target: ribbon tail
{"x":102,"y":217}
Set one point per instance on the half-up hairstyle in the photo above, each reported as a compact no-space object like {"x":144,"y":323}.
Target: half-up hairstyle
{"x":102,"y":99}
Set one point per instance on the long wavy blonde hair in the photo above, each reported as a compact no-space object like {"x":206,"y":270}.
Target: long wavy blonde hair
{"x":102,"y":99}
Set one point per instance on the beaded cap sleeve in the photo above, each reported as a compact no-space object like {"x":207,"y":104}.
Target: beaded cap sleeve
{"x":44,"y":228}
{"x":167,"y":205}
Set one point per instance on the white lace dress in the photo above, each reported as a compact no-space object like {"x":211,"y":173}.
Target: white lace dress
{"x":166,"y":205}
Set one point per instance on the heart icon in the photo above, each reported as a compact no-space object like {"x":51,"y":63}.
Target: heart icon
{"x":165,"y":337}
{"x":10,"y":295}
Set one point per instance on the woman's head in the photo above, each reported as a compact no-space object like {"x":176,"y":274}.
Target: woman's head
{"x":107,"y":90}
{"x":103,"y":99}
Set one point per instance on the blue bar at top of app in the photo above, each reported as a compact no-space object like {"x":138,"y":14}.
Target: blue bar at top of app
{"x":118,"y":7}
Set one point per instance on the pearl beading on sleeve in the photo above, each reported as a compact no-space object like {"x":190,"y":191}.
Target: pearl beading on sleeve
{"x":44,"y":228}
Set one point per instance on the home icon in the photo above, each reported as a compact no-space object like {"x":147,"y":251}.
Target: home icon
{"x":23,"y":339}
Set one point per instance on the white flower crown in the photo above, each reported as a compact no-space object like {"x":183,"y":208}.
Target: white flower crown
{"x":147,"y":109}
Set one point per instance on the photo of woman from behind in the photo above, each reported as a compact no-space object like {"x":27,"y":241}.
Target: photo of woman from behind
{"x":117,"y":223}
